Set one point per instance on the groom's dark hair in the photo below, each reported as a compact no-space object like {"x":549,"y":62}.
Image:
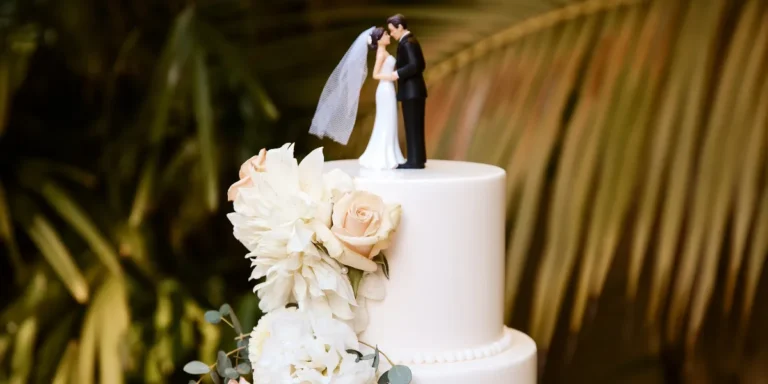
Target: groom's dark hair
{"x":398,"y":20}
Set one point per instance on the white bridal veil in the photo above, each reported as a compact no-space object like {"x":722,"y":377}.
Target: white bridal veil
{"x":337,"y":109}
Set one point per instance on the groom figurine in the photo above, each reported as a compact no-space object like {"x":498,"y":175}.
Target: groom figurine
{"x":411,"y":90}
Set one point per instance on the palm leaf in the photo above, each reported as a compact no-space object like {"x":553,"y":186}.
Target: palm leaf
{"x":215,"y":42}
{"x":759,"y":250}
{"x":114,"y":320}
{"x":697,"y":58}
{"x":79,"y":220}
{"x":753,"y":141}
{"x":661,"y":143}
{"x":173,"y":59}
{"x":711,"y":196}
{"x":5,"y":92}
{"x":205,"y":134}
{"x":6,"y":232}
{"x":47,"y":240}
{"x":613,"y":143}
{"x":23,"y":352}
{"x":144,"y":192}
{"x":66,"y":365}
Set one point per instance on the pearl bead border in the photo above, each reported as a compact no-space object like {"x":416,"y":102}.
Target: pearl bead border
{"x":458,"y":355}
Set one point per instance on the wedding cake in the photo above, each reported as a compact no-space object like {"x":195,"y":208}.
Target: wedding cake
{"x":442,"y":315}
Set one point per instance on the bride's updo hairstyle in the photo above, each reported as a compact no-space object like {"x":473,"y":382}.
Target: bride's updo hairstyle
{"x":376,"y":35}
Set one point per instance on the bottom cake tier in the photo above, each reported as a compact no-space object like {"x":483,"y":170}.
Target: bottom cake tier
{"x":514,"y":365}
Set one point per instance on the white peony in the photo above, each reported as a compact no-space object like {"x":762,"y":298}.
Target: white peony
{"x":296,"y":348}
{"x":276,"y":217}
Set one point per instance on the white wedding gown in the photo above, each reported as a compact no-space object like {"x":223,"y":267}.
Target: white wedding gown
{"x":383,"y":151}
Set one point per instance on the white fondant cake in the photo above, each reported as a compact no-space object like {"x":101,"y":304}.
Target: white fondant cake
{"x":442,"y":315}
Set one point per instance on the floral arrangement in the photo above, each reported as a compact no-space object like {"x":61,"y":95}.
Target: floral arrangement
{"x":315,"y":244}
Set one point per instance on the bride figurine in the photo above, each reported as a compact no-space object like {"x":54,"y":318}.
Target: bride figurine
{"x":337,"y":108}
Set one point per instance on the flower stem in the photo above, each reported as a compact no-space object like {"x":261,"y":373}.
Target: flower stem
{"x":228,"y":323}
{"x":382,"y":353}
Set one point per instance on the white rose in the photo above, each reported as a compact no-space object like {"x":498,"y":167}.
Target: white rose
{"x":363,"y":224}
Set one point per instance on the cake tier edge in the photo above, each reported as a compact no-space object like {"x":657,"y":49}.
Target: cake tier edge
{"x":515,"y":365}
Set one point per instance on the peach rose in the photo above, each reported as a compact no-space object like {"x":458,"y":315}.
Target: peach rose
{"x":363,"y":224}
{"x":254,"y":164}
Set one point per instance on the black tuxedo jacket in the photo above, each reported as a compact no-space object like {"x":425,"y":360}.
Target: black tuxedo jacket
{"x":410,"y":69}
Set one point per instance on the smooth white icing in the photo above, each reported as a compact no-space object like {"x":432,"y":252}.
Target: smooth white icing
{"x":444,"y":303}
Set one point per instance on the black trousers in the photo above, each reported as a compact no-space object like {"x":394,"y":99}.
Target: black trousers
{"x":413,"y":116}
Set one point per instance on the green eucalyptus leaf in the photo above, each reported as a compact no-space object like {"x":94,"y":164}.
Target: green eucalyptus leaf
{"x":243,"y":368}
{"x":376,"y":360}
{"x":355,"y":276}
{"x":400,"y":374}
{"x":215,"y":378}
{"x":196,"y":368}
{"x":225,"y":310}
{"x":243,"y":343}
{"x":384,"y":379}
{"x":368,"y":357}
{"x":356,"y":353}
{"x":236,"y":323}
{"x":213,"y":317}
{"x":231,"y":373}
{"x":222,"y":363}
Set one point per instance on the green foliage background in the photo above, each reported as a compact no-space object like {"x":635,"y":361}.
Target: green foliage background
{"x":633,"y":133}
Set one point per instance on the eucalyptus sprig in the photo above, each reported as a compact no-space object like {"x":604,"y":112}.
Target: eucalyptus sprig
{"x":223,"y":367}
{"x":398,"y":374}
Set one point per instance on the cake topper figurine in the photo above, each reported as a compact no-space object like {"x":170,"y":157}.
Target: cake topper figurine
{"x":337,"y":109}
{"x":411,"y":89}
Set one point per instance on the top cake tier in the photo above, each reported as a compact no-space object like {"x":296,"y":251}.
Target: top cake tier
{"x":445,"y":295}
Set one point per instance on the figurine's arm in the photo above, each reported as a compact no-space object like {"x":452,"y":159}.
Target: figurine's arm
{"x":380,"y":57}
{"x":415,"y":58}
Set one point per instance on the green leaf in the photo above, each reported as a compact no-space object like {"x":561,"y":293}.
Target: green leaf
{"x":5,"y":92}
{"x":216,"y":43}
{"x":196,"y":368}
{"x":6,"y":232}
{"x":231,"y":373}
{"x":72,"y":213}
{"x":243,"y":368}
{"x":376,"y":359}
{"x":355,"y":276}
{"x":204,"y":116}
{"x":236,"y":323}
{"x":215,"y":378}
{"x":358,"y":355}
{"x":168,"y":71}
{"x":400,"y":374}
{"x":222,"y":363}
{"x":369,"y":356}
{"x":22,"y":359}
{"x":384,"y":379}
{"x":225,"y":310}
{"x":381,"y":259}
{"x":243,"y":343}
{"x":213,"y":317}
{"x":56,"y":253}
{"x":143,"y":192}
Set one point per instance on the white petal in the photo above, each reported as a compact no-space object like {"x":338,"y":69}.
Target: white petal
{"x":373,"y":286}
{"x":340,"y":307}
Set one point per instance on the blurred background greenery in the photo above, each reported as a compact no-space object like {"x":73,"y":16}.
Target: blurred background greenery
{"x":633,"y":133}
